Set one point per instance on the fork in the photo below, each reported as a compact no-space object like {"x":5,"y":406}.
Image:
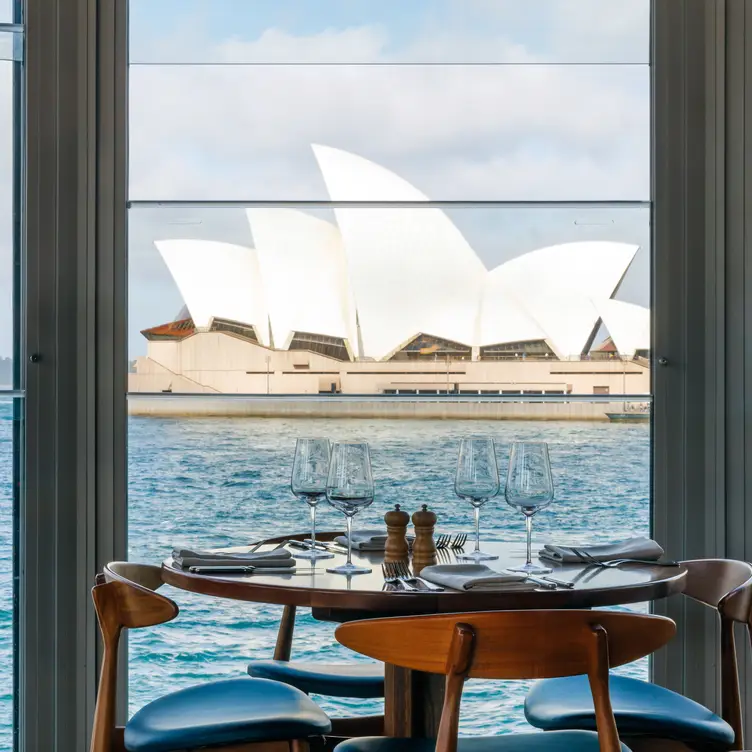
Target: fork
{"x":404,"y":573}
{"x":391,"y":577}
{"x":611,"y":563}
{"x":445,"y":540}
{"x":442,"y":540}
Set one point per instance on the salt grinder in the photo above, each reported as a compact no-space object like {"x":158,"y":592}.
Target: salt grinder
{"x":396,"y":548}
{"x":424,"y":548}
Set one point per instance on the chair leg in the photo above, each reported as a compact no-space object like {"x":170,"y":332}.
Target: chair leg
{"x":348,"y":728}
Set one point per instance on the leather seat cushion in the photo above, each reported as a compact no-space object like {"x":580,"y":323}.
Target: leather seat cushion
{"x":363,"y":680}
{"x":232,"y":711}
{"x":640,"y":709}
{"x":557,"y":741}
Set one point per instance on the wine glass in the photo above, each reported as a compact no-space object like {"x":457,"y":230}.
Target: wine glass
{"x":349,"y":489}
{"x":477,"y":481}
{"x":310,"y":469}
{"x":530,"y":487}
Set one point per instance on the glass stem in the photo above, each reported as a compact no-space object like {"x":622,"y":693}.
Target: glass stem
{"x":529,"y":528}
{"x":477,"y":528}
{"x":313,"y":526}
{"x":349,"y":540}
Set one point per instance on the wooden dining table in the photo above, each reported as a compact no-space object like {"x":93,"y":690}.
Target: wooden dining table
{"x":412,"y":699}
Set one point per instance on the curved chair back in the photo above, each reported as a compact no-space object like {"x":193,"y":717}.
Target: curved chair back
{"x":512,"y":645}
{"x":123,"y":597}
{"x":725,"y":585}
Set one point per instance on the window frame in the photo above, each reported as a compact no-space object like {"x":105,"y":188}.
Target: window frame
{"x":74,"y":515}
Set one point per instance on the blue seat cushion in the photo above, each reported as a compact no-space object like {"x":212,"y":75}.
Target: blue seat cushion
{"x":640,"y":709}
{"x":232,"y":711}
{"x":333,"y":680}
{"x":559,"y":741}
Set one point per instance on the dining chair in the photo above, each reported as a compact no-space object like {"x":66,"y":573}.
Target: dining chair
{"x":236,"y":715}
{"x":358,"y":680}
{"x":508,"y":645}
{"x":653,"y":718}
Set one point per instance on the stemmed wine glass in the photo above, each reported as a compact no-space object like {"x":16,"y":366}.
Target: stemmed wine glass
{"x":349,"y":489}
{"x":477,"y":481}
{"x":310,"y":469}
{"x":530,"y":487}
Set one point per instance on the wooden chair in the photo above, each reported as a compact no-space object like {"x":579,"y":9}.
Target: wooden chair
{"x":654,"y":719}
{"x":508,"y":645}
{"x":234,"y":715}
{"x":359,"y":680}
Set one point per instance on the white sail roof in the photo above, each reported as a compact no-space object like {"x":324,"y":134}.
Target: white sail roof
{"x":411,"y":270}
{"x":218,"y":280}
{"x":304,"y":270}
{"x":628,"y":324}
{"x":503,"y":319}
{"x":555,"y":285}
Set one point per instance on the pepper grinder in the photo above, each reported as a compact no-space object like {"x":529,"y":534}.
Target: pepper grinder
{"x":424,"y":548}
{"x":396,"y":548}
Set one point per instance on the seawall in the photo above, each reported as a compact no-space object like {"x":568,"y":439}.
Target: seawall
{"x":290,"y":408}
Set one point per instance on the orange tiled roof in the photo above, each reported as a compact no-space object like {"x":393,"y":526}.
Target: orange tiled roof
{"x":172,"y":330}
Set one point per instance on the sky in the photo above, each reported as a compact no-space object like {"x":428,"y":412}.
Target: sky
{"x":491,"y":100}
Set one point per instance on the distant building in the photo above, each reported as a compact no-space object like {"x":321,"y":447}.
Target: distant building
{"x":390,"y":300}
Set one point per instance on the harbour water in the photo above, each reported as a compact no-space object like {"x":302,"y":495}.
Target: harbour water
{"x":205,"y":482}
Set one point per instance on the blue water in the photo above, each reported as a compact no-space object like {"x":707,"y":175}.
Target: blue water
{"x":215,"y":482}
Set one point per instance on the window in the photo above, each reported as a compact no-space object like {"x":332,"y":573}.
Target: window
{"x":11,"y":383}
{"x":450,"y":202}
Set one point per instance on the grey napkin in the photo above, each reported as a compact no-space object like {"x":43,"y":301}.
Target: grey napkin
{"x":279,"y":557}
{"x":475,"y":577}
{"x":366,"y":540}
{"x":634,"y":548}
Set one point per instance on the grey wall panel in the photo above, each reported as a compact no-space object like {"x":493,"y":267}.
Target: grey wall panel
{"x":703,"y":283}
{"x":73,"y":517}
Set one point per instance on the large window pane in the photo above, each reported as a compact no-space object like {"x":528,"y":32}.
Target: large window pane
{"x":477,"y":132}
{"x":11,"y":410}
{"x":377,"y":300}
{"x":215,"y":482}
{"x":290,"y":276}
{"x":10,"y":434}
{"x":377,"y":31}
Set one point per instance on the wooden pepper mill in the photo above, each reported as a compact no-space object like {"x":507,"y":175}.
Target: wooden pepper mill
{"x":396,"y":548}
{"x":424,"y":548}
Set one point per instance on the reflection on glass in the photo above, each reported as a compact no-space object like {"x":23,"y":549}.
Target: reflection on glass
{"x":530,"y":488}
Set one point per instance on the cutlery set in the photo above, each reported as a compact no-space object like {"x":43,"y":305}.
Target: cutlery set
{"x":586,"y":558}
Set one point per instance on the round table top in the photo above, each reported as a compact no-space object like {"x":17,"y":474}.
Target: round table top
{"x":339,"y":598}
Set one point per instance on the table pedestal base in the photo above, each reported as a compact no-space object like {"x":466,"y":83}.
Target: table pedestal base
{"x":413,"y":702}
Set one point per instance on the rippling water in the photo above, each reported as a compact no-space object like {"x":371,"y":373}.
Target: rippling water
{"x":216,"y":482}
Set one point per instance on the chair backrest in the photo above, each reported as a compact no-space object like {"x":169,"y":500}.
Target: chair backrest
{"x":725,"y":585}
{"x":512,"y":645}
{"x":123,"y":597}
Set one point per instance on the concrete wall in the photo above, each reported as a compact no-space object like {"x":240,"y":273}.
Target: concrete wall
{"x":235,"y":407}
{"x":220,"y":362}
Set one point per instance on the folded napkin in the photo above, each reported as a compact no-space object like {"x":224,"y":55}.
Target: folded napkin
{"x":634,"y":548}
{"x":280,"y":557}
{"x":475,"y":577}
{"x":367,"y":540}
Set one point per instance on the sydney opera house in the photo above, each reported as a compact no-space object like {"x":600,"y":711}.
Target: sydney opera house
{"x":391,"y":300}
